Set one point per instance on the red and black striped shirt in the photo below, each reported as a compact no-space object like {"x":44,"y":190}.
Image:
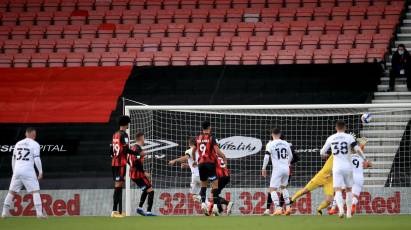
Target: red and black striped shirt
{"x":205,"y":148}
{"x":221,"y":168}
{"x":120,"y":145}
{"x":136,"y":163}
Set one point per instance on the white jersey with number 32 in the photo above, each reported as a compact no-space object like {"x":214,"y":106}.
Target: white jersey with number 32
{"x":24,"y":153}
{"x":281,"y":154}
{"x":340,"y":145}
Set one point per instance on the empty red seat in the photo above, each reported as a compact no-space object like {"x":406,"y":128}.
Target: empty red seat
{"x":329,"y":3}
{"x":79,"y":17}
{"x":88,"y":31}
{"x":82,"y":45}
{"x":345,"y":41}
{"x":106,"y":30}
{"x":210,"y":29}
{"x":215,"y":58}
{"x":27,"y":18}
{"x":158,"y":30}
{"x":127,"y":58}
{"x":228,"y":29}
{"x":175,"y":30}
{"x":109,"y":59}
{"x":322,"y":13}
{"x":363,"y":40}
{"x":134,"y":44}
{"x":392,"y":12}
{"x":119,"y":4}
{"x":245,"y":29}
{"x":34,"y":5}
{"x":375,"y":12}
{"x":286,"y":14}
{"x":328,"y":41}
{"x":19,"y":32}
{"x":357,"y":12}
{"x":292,"y":42}
{"x":286,"y":56}
{"x":141,"y":30}
{"x":44,"y":18}
{"x":97,"y":17}
{"x":232,"y":58}
{"x":113,"y":16}
{"x":61,"y":18}
{"x":250,"y":57}
{"x":182,"y":16}
{"x":165,"y":16}
{"x":169,"y":44}
{"x":46,"y":45}
{"x":131,"y":16}
{"x":68,"y":6}
{"x":145,"y":59}
{"x":268,"y":57}
{"x":217,"y":15}
{"x":310,"y":42}
{"x":21,"y":60}
{"x":136,"y":5}
{"x":263,"y":29}
{"x":162,"y":58}
{"x":315,"y":27}
{"x":123,"y":30}
{"x":148,"y":16}
{"x":280,"y":28}
{"x":117,"y":44}
{"x":292,"y":3}
{"x":304,"y":14}
{"x":179,"y":58}
{"x":298,"y":27}
{"x":369,"y":26}
{"x":5,"y":32}
{"x":257,"y":3}
{"x":381,"y":40}
{"x":187,"y":43}
{"x":274,"y":42}
{"x":9,"y":18}
{"x":205,"y":4}
{"x":74,"y":59}
{"x":376,"y":54}
{"x":252,"y":15}
{"x":221,"y":43}
{"x":151,"y":44}
{"x":223,"y":4}
{"x":256,"y":43}
{"x":199,"y":15}
{"x":51,"y":5}
{"x":11,"y":46}
{"x":321,"y":56}
{"x":333,"y":27}
{"x":234,"y":15}
{"x":37,"y":32}
{"x":387,"y":26}
{"x":85,"y":4}
{"x":170,"y":4}
{"x":29,"y":46}
{"x":54,"y":32}
{"x":275,"y":3}
{"x":154,"y":4}
{"x":39,"y":59}
{"x":102,"y":5}
{"x":57,"y":59}
{"x":339,"y":56}
{"x":206,"y":44}
{"x":239,"y":43}
{"x":193,"y":29}
{"x":357,"y":55}
{"x":71,"y":31}
{"x":99,"y":45}
{"x":64,"y":45}
{"x":269,"y":14}
{"x":197,"y":58}
{"x":92,"y":59}
{"x":188,"y":4}
{"x":340,"y":13}
{"x":240,"y":3}
{"x":309,"y":3}
{"x":304,"y":56}
{"x":351,"y":27}
{"x":6,"y":60}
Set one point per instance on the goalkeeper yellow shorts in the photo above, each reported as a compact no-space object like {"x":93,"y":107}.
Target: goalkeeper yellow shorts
{"x":327,"y":186}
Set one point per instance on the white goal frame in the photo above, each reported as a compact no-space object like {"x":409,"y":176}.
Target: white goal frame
{"x":204,"y":108}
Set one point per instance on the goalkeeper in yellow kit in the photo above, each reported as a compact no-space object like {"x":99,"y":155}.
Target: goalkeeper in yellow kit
{"x":322,"y":179}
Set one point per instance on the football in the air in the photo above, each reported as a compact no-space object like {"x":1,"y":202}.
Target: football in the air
{"x":366,"y":118}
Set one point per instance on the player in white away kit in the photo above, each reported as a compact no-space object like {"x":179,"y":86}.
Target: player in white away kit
{"x":341,"y":145}
{"x":358,"y":175}
{"x":281,"y":157}
{"x":191,"y":158}
{"x":26,"y":154}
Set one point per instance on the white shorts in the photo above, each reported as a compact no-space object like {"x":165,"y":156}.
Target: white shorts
{"x":342,"y":178}
{"x":358,"y":184}
{"x":30,"y":182}
{"x":195,"y":184}
{"x":279,"y":178}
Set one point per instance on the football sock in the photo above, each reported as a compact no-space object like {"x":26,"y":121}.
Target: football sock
{"x":150,"y":201}
{"x":348,"y":202}
{"x":120,"y":200}
{"x":274,"y":197}
{"x":223,"y":201}
{"x":37,"y":204}
{"x":269,"y":201}
{"x":286,"y":197}
{"x":142,"y":198}
{"x":216,"y":199}
{"x":7,"y":203}
{"x":323,"y":205}
{"x":297,"y":195}
{"x":340,"y":201}
{"x":203,"y":194}
{"x":354,"y":200}
{"x":115,"y":198}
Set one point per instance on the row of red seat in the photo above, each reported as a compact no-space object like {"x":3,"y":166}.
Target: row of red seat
{"x":200,"y":43}
{"x":47,"y":5}
{"x":193,"y":58}
{"x":199,"y":16}
{"x":198,"y":29}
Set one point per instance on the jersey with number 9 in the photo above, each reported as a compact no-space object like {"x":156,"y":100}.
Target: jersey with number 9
{"x":205,"y":146}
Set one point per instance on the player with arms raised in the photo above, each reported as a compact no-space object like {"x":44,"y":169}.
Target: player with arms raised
{"x":208,"y":150}
{"x":140,"y":177}
{"x":119,"y":151}
{"x":191,"y":158}
{"x":340,"y":145}
{"x":281,"y":157}
{"x":26,"y":155}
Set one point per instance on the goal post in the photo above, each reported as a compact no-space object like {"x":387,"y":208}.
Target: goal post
{"x":242,"y":131}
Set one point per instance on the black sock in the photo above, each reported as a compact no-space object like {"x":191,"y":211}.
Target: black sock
{"x":150,"y":201}
{"x":282,"y":202}
{"x":223,"y":201}
{"x":203,"y":192}
{"x":269,"y":201}
{"x":215,"y":196}
{"x":142,"y":198}
{"x":115,"y":198}
{"x":120,"y":200}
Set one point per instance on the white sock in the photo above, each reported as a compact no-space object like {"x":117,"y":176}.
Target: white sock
{"x":286,"y":197}
{"x":37,"y":204}
{"x":334,"y":204}
{"x":7,"y":204}
{"x":354,"y":200}
{"x":340,"y":201}
{"x":276,"y":200}
{"x":348,"y":202}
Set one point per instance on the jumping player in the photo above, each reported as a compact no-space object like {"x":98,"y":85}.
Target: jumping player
{"x":140,"y":177}
{"x":208,"y":150}
{"x":26,"y":155}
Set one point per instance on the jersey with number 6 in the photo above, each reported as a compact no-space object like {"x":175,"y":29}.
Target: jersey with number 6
{"x":24,"y":153}
{"x":205,"y":148}
{"x":340,"y":145}
{"x":120,"y":146}
{"x":281,"y":154}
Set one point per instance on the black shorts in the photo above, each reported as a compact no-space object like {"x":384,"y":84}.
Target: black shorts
{"x":222,"y":182}
{"x":207,"y":172}
{"x":143,"y":183}
{"x":119,"y":173}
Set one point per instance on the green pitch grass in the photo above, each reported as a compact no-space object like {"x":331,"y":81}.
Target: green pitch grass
{"x":210,"y":223}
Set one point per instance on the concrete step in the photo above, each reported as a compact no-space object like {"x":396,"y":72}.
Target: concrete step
{"x":383,"y":149}
{"x":405,"y":29}
{"x":406,"y":22}
{"x":397,"y":88}
{"x":374,"y":178}
{"x":391,"y":101}
{"x":382,"y":133}
{"x":386,"y":80}
{"x":384,"y":125}
{"x":403,"y":37}
{"x":390,"y":118}
{"x":389,"y":141}
{"x":392,"y":95}
{"x":375,"y":185}
{"x":375,"y":170}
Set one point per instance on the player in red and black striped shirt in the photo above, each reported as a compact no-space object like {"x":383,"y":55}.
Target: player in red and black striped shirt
{"x":223,"y":175}
{"x":140,"y":177}
{"x":119,"y":151}
{"x":208,"y":151}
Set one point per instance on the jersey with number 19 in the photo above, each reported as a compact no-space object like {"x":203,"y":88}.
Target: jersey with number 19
{"x":341,"y":144}
{"x":24,"y":173}
{"x":281,"y":157}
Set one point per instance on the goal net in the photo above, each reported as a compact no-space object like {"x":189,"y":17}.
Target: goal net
{"x":242,"y":133}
